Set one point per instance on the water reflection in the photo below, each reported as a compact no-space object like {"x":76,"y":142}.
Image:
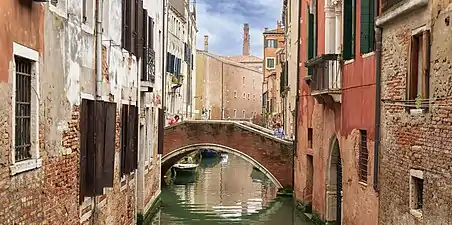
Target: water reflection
{"x":225,"y":191}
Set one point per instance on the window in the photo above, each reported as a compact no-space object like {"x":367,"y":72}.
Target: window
{"x":363,"y":156}
{"x":271,"y":43}
{"x":416,"y":192}
{"x":235,"y":113}
{"x":249,"y":96}
{"x":244,"y":114}
{"x":129,"y":139}
{"x":254,"y":97}
{"x":243,"y":80}
{"x":418,"y":70}
{"x":270,"y":63}
{"x":311,"y":38}
{"x":88,"y":13}
{"x":25,"y":108}
{"x":367,"y":26}
{"x":349,"y":33}
{"x":132,"y":26}
{"x":235,"y":94}
{"x":244,"y":96}
{"x":99,"y":118}
{"x":310,"y":138}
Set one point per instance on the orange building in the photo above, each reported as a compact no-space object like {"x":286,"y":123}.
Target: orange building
{"x":273,"y":67}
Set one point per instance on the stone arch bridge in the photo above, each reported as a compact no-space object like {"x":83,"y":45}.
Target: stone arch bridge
{"x":257,"y":145}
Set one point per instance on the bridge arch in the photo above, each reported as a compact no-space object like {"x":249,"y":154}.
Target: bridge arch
{"x":255,"y":144}
{"x":181,"y":152}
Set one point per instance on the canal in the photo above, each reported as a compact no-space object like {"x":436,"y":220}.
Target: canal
{"x":225,"y":191}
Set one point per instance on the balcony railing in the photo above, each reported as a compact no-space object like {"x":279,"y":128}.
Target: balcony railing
{"x":149,"y":66}
{"x":325,"y":79}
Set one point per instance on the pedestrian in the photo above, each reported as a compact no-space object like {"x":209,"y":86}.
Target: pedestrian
{"x":175,"y":120}
{"x":279,"y":131}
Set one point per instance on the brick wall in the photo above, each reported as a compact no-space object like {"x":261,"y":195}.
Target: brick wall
{"x":423,"y":141}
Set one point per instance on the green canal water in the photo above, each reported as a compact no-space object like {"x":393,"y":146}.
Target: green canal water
{"x":225,"y":191}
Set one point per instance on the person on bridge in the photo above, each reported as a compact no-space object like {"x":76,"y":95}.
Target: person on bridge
{"x":175,"y":120}
{"x":279,"y":131}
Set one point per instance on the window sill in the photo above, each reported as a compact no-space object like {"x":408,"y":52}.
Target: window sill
{"x":57,"y":11}
{"x":368,"y":54}
{"x":24,"y":166}
{"x":88,"y":29}
{"x":417,"y":213}
{"x":415,"y":111}
{"x":349,"y":61}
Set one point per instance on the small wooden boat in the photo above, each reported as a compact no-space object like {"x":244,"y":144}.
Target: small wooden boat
{"x":185,"y":168}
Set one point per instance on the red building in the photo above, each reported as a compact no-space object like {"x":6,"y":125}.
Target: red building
{"x":336,"y":114}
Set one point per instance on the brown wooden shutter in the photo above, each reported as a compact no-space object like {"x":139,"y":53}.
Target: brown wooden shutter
{"x":124,"y":139}
{"x":151,"y":33}
{"x":144,"y":74}
{"x":139,"y":29}
{"x":129,"y":26}
{"x":133,"y":138}
{"x":90,"y":151}
{"x":409,"y":77}
{"x":83,"y":151}
{"x":100,"y":145}
{"x":109,"y":153}
{"x":425,"y":64}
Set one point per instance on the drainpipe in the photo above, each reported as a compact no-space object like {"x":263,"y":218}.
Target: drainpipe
{"x":378,"y":37}
{"x":222,"y":90}
{"x":163,"y":57}
{"x":99,"y":50}
{"x":297,"y":98}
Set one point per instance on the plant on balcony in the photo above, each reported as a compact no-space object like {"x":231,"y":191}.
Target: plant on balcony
{"x":178,"y":80}
{"x":418,"y":101}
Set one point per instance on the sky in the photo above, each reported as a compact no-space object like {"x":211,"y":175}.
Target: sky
{"x":223,"y":21}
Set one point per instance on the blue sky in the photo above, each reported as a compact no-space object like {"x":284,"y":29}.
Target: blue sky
{"x":223,"y":21}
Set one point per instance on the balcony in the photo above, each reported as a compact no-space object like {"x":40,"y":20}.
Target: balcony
{"x":148,"y":75}
{"x":325,"y":81}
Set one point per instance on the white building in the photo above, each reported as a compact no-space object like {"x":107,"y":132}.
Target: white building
{"x":180,"y":59}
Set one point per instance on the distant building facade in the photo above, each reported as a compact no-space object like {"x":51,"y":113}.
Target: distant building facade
{"x":228,"y":87}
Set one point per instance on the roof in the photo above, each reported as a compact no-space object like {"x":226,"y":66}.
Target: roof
{"x":244,"y":58}
{"x":274,"y":31}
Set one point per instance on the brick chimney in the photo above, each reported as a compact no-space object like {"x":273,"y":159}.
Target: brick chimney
{"x":246,"y":39}
{"x":206,"y":43}
{"x":266,"y":29}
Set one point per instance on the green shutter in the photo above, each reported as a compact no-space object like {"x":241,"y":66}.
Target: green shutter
{"x":367,"y":26}
{"x":349,"y":25}
{"x":310,"y":39}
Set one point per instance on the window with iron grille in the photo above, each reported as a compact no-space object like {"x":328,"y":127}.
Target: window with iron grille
{"x":23,"y":109}
{"x":363,"y":156}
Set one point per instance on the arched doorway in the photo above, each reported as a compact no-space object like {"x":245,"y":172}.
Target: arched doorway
{"x":334,"y":185}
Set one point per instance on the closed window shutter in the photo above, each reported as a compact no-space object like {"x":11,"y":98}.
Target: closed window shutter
{"x":124,"y":139}
{"x":100,"y":146}
{"x":161,"y":129}
{"x":151,"y":33}
{"x":133,"y":138}
{"x":145,"y":46}
{"x":139,"y":42}
{"x":348,"y":29}
{"x":128,"y":26}
{"x":367,"y":25}
{"x":84,"y":124}
{"x":426,"y":64}
{"x":310,"y":39}
{"x":109,"y":153}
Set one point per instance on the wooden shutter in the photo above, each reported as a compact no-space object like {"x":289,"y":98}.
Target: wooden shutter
{"x":139,"y":29}
{"x":128,"y":26}
{"x":90,"y":175}
{"x":367,"y":26}
{"x":144,"y":73}
{"x":426,"y":64}
{"x":348,"y":29}
{"x":151,"y":33}
{"x":100,"y":145}
{"x":161,"y":130}
{"x":132,"y":133}
{"x":123,"y":23}
{"x":168,"y":62}
{"x":83,"y":150}
{"x":310,"y":39}
{"x":124,"y":139}
{"x":109,"y":152}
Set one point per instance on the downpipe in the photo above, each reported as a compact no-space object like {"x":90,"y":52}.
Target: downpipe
{"x":99,"y":50}
{"x":378,"y":38}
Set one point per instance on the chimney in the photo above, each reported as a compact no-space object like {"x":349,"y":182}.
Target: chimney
{"x":206,"y":43}
{"x":246,"y":39}
{"x":266,"y":29}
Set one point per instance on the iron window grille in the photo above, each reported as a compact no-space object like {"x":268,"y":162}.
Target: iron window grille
{"x":363,"y":156}
{"x":23,"y":109}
